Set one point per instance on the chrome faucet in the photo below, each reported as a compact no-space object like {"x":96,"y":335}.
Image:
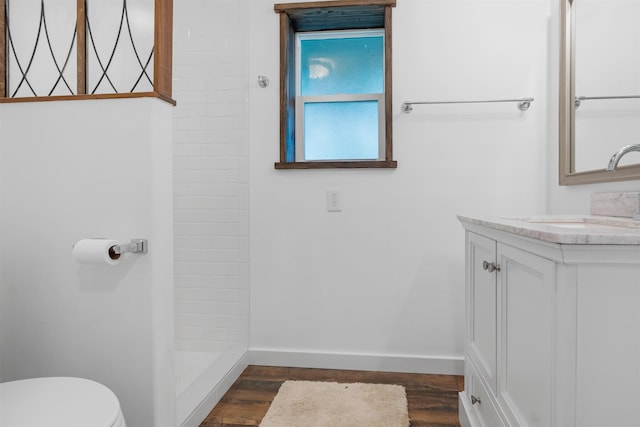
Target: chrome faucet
{"x":613,"y":163}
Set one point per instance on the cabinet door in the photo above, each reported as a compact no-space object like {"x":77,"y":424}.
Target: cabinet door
{"x":481,"y":306}
{"x":525,"y":319}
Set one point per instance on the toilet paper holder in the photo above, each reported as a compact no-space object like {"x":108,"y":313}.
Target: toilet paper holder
{"x":136,"y":246}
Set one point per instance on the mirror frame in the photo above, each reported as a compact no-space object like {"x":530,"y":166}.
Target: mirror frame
{"x":568,"y":175}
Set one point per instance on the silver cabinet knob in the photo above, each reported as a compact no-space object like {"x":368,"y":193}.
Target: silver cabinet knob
{"x":475,"y":400}
{"x":490,"y":266}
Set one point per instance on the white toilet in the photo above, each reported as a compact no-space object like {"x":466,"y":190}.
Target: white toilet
{"x":58,"y":402}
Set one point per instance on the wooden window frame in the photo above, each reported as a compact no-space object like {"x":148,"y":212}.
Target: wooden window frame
{"x":329,"y":15}
{"x":162,"y":65}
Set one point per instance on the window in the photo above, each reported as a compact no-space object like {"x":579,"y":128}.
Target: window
{"x":339,"y":96}
{"x":335,"y":84}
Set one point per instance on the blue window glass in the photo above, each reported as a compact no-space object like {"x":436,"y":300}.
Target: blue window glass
{"x":352,"y":65}
{"x":341,"y":130}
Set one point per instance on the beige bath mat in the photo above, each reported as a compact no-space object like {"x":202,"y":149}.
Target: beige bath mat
{"x":326,"y":404}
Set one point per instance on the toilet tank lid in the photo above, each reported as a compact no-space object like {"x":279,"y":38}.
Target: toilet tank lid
{"x":57,"y":402}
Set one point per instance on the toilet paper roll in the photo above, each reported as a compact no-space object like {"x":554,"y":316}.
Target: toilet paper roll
{"x":96,"y":251}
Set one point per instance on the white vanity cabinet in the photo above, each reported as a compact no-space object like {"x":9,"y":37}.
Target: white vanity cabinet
{"x":509,"y":311}
{"x":552,"y":332}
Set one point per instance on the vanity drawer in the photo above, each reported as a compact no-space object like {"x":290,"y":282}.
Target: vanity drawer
{"x":481,"y":401}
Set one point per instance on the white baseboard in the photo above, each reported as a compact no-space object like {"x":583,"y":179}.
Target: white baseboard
{"x":360,"y":362}
{"x":236,"y":362}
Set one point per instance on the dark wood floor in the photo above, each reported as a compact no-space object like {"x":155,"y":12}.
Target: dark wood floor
{"x":433,"y":399}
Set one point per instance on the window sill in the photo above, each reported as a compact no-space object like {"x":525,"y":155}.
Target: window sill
{"x":80,"y":97}
{"x":380,"y":164}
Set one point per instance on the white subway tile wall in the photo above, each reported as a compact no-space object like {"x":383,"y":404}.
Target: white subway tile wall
{"x":211,"y":156}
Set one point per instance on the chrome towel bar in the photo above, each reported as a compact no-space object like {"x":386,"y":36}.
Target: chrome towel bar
{"x":523,"y":103}
{"x":579,"y":99}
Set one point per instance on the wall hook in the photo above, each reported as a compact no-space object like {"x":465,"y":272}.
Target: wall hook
{"x":263,"y":81}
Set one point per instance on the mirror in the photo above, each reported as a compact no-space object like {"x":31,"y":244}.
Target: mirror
{"x":599,"y":89}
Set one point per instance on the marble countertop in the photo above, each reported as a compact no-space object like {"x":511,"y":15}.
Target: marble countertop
{"x":567,"y":229}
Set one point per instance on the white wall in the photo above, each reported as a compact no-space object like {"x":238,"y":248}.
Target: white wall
{"x":383,"y":281}
{"x":211,"y":175}
{"x":71,"y":170}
